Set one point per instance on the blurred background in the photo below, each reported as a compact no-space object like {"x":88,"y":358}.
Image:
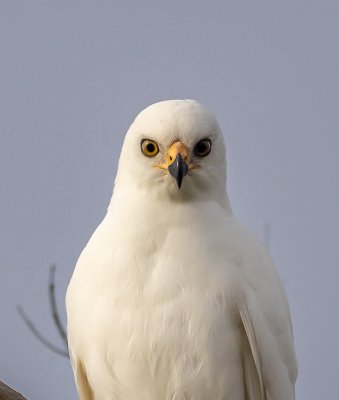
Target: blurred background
{"x":73,"y":75}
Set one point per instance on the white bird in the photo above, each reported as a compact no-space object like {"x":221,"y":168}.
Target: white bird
{"x":172,"y":298}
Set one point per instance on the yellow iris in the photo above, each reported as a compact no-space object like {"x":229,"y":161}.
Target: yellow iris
{"x":149,"y":148}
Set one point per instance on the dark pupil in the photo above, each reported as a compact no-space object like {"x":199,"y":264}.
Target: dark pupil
{"x":201,"y":147}
{"x":150,"y":147}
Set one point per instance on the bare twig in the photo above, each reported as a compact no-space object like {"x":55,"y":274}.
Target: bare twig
{"x":38,"y":335}
{"x":56,"y":319}
{"x":53,"y":304}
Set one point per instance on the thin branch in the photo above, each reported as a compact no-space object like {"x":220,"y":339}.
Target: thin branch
{"x":56,"y":319}
{"x":39,"y":336}
{"x":53,"y":305}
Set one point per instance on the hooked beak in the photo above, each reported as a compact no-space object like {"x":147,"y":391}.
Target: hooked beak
{"x":177,"y":161}
{"x":178,"y":169}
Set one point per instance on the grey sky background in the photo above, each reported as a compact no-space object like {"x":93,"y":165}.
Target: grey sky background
{"x":73,"y":75}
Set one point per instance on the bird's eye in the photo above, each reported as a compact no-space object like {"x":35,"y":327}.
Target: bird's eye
{"x":149,"y":148}
{"x":203,"y":148}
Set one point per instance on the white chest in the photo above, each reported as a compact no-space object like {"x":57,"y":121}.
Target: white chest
{"x":159,"y":317}
{"x":168,"y":333}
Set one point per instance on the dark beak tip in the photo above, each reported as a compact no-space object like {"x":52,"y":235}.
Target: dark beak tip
{"x":178,"y":169}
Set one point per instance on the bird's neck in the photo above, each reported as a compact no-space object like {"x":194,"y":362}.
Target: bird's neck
{"x":135,"y":199}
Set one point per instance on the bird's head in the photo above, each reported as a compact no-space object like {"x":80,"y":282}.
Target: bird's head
{"x":174,"y":149}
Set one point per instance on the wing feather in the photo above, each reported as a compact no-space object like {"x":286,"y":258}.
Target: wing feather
{"x":252,"y":369}
{"x":83,"y":386}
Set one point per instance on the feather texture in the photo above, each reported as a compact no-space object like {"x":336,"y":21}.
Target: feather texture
{"x":172,"y":298}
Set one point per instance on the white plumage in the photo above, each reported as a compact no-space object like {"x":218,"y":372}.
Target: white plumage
{"x":172,"y":298}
